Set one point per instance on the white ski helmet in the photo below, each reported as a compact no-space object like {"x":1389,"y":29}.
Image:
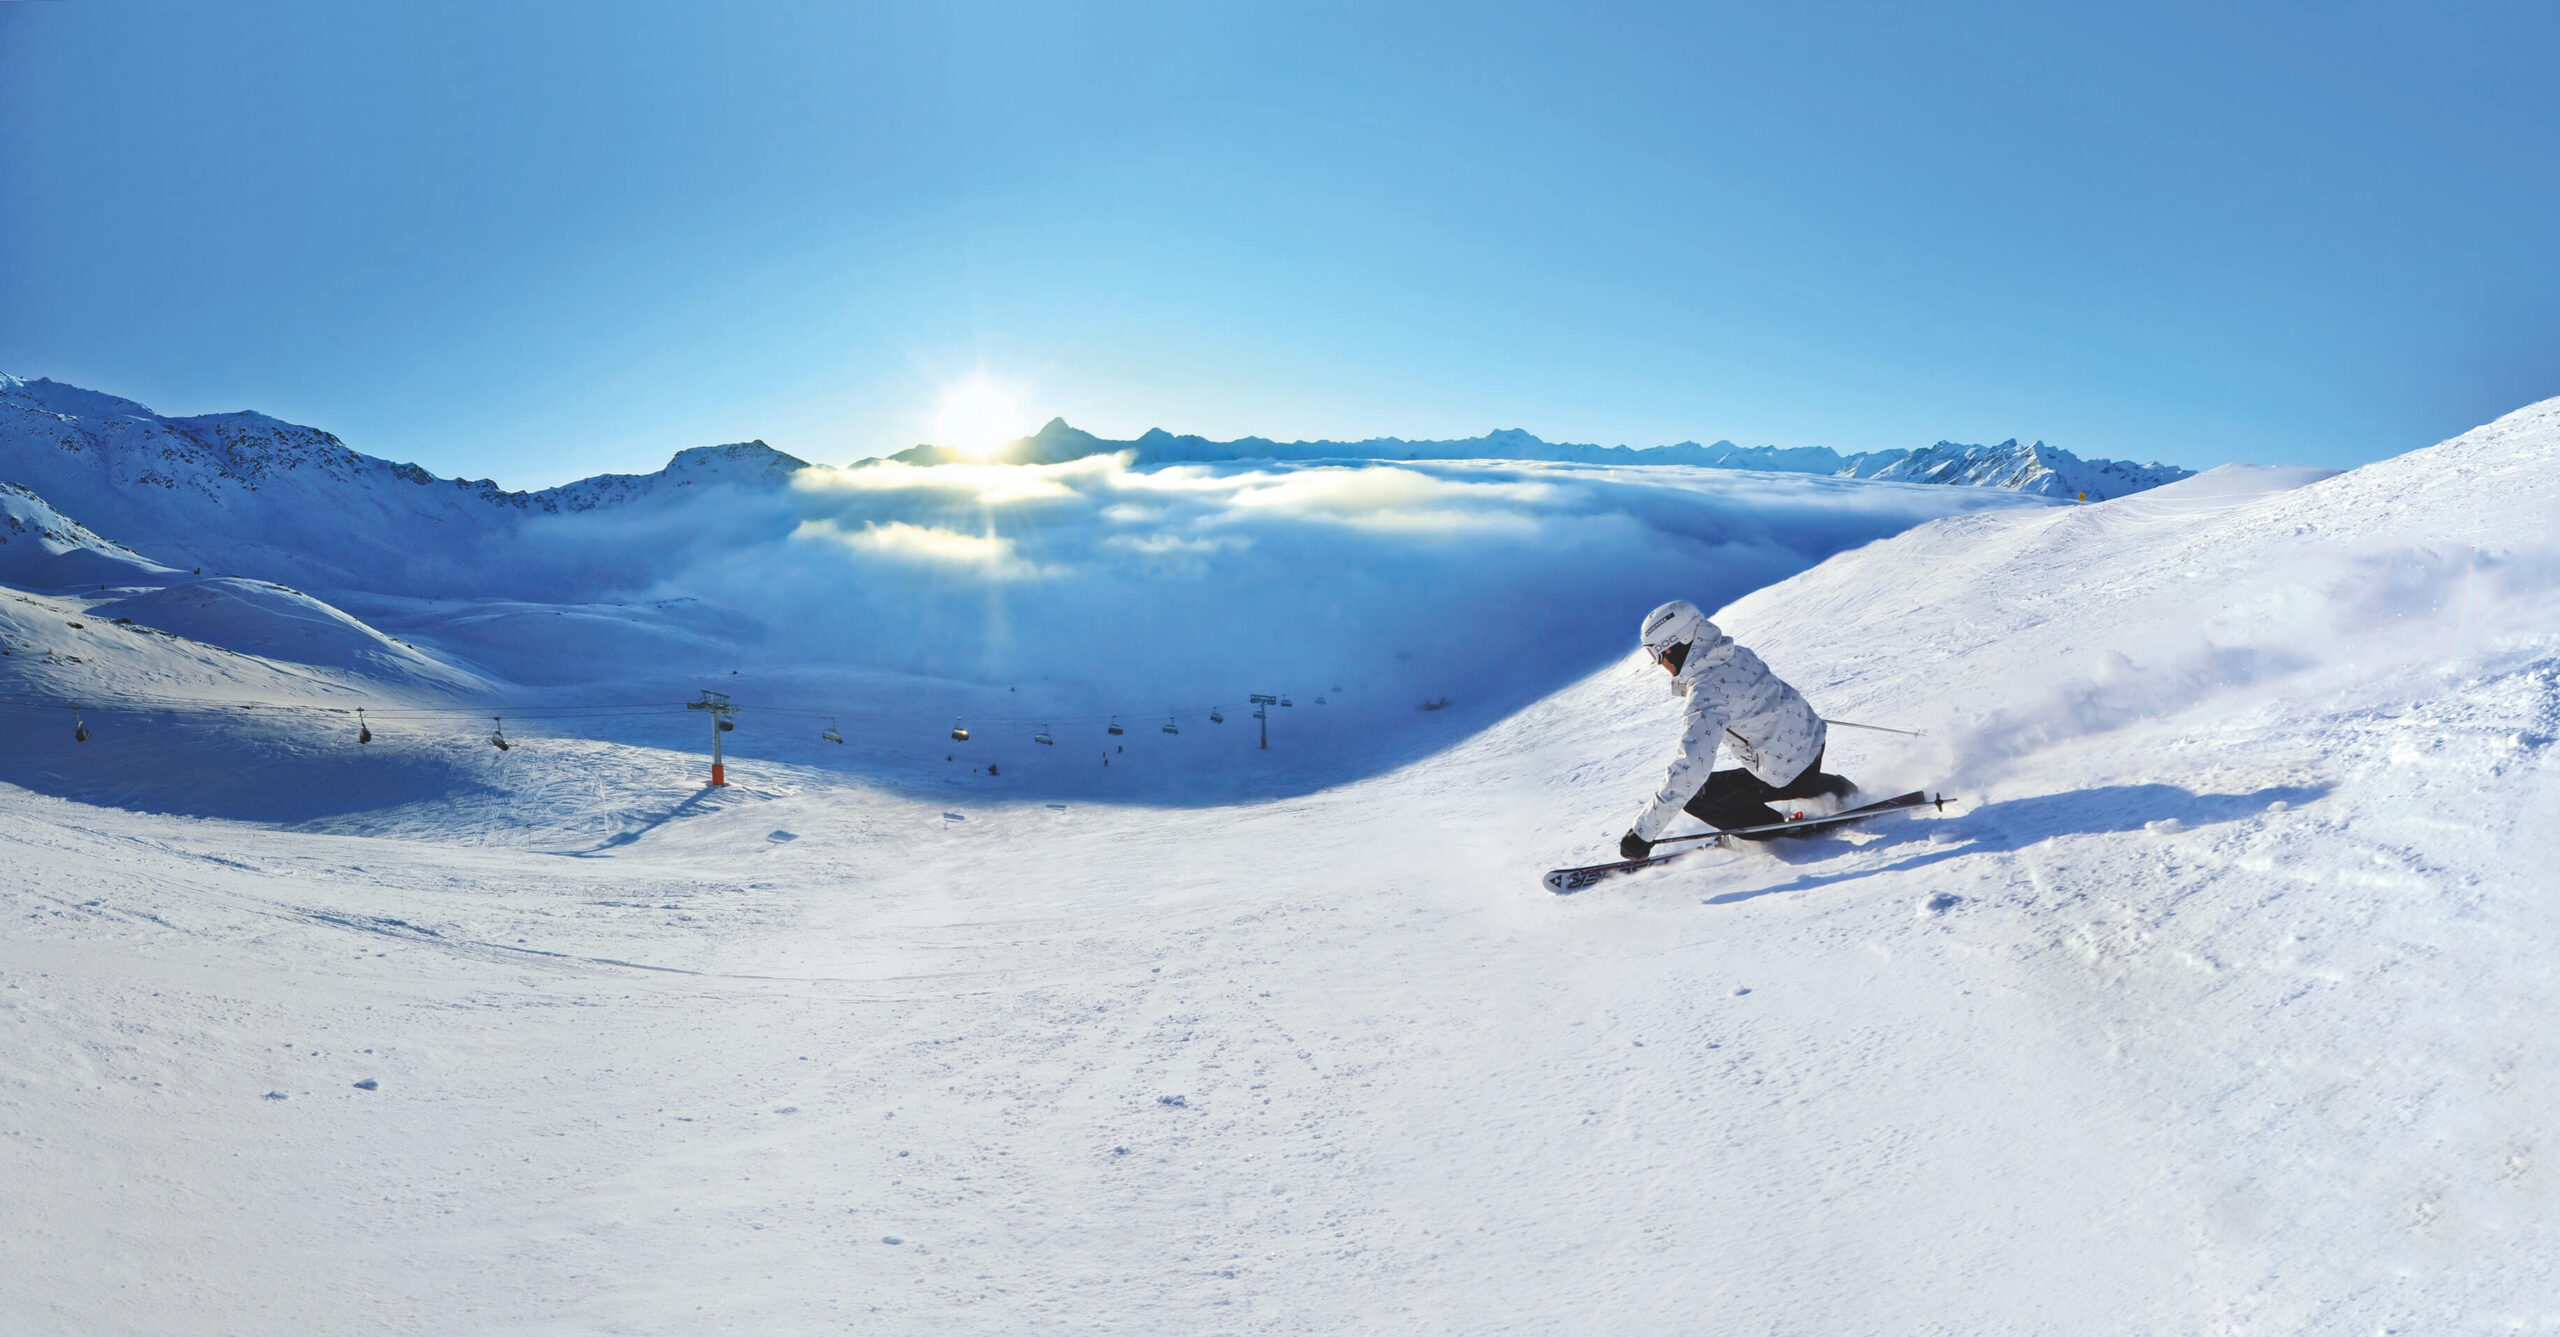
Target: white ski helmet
{"x":1676,"y":623}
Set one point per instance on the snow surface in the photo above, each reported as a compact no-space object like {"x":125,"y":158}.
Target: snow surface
{"x":2217,"y":1001}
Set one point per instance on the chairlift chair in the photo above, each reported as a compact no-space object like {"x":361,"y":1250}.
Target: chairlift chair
{"x":498,"y":733}
{"x":958,"y":734}
{"x":1043,"y":738}
{"x":1285,"y":701}
{"x":1215,"y":717}
{"x":364,"y":732}
{"x":79,"y":728}
{"x":1115,"y":728}
{"x":829,"y":733}
{"x":1168,"y":726}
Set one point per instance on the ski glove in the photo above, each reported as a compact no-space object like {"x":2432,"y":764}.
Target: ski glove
{"x":1633,"y":846}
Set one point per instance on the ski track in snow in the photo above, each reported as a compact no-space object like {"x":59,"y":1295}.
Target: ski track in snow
{"x":2216,"y":1002}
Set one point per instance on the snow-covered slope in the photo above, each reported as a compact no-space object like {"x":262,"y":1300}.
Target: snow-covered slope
{"x":41,"y":548}
{"x":258,"y":618}
{"x":2216,"y":1003}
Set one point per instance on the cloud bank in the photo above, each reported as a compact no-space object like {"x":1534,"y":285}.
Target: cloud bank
{"x":1180,"y":586}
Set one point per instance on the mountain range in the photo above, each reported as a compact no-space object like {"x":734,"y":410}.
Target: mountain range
{"x":2039,"y":469}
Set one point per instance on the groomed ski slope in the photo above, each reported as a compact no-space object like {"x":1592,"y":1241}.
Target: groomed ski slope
{"x":2220,"y":1002}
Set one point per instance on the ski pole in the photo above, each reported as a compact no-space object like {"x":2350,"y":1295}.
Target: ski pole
{"x":1674,"y":840}
{"x":1844,"y":724}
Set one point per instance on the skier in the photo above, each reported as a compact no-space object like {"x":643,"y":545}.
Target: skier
{"x":1733,"y":700}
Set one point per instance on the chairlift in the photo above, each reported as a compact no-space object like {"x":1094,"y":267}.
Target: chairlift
{"x":498,"y":733}
{"x":1043,"y":738}
{"x":958,"y":734}
{"x":829,"y":733}
{"x":1215,"y":717}
{"x":728,"y":726}
{"x":364,"y":732}
{"x":1285,"y":701}
{"x":79,"y":729}
{"x":1168,"y":725}
{"x":1115,"y":728}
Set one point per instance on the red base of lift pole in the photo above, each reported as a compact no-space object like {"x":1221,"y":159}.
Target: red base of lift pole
{"x":720,"y":710}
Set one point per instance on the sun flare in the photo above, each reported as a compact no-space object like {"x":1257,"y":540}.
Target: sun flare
{"x":978,"y":416}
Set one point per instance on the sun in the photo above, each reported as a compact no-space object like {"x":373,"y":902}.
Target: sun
{"x":978,"y":416}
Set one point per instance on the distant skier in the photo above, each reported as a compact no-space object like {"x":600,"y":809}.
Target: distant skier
{"x":1733,"y":701}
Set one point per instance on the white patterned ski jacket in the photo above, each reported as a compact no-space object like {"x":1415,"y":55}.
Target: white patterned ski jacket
{"x":1735,"y":702}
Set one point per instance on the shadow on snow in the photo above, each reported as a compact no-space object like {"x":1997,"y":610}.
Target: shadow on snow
{"x":2014,"y":824}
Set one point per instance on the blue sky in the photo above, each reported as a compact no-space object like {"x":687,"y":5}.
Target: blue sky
{"x":534,"y":242}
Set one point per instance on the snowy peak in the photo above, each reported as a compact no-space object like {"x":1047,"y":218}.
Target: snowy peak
{"x":2039,"y":470}
{"x":743,"y":459}
{"x":749,"y":463}
{"x":1054,"y":443}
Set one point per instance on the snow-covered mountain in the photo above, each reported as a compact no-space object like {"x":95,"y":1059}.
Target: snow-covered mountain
{"x":243,"y":493}
{"x":2039,"y":469}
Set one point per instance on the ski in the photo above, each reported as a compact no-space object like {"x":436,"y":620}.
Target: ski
{"x":1566,"y":881}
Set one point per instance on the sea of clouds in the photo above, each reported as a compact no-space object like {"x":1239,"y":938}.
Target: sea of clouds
{"x":1175,"y":587}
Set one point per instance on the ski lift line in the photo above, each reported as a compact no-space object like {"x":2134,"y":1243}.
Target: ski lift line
{"x":169,"y":706}
{"x":888,"y":721}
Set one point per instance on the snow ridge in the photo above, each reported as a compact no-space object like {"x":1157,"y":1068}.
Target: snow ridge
{"x":41,"y":548}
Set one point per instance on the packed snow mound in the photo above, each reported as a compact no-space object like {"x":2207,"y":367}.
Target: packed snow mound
{"x":2039,"y":470}
{"x":256,"y":617}
{"x":41,"y":548}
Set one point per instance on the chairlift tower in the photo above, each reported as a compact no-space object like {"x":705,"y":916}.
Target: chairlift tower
{"x":1262,"y":711}
{"x":717,"y":703}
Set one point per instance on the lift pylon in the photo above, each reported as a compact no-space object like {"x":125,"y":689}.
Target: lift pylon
{"x":717,"y":703}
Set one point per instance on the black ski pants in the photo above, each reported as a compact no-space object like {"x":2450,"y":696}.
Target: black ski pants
{"x":1737,"y":798}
